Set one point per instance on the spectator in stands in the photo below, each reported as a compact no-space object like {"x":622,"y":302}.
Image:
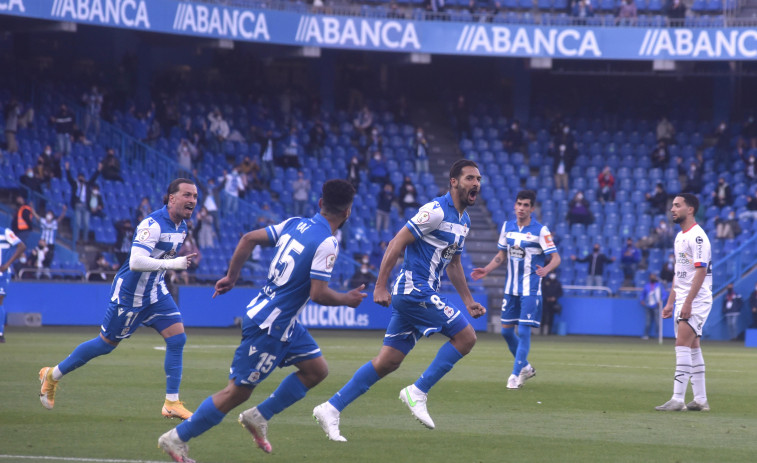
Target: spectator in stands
{"x":50,"y":163}
{"x":363,"y":121}
{"x":93,"y":103}
{"x":39,"y":259}
{"x":551,"y":291}
{"x":219,"y":130}
{"x":378,"y":172}
{"x":81,"y":190}
{"x":232,"y":186}
{"x":751,"y":208}
{"x":249,"y":169}
{"x":49,"y":228}
{"x":722,"y":148}
{"x":301,"y":194}
{"x":579,"y":210}
{"x":96,"y":202}
{"x":384,"y":207}
{"x":210,"y":192}
{"x":694,"y":182}
{"x":184,"y":152}
{"x":668,"y":270}
{"x":606,"y":185}
{"x":21,"y":224}
{"x":124,"y":238}
{"x":267,"y":156}
{"x":205,"y":231}
{"x":676,"y":12}
{"x":291,"y":156}
{"x":267,"y":216}
{"x":658,"y":200}
{"x":12,"y":114}
{"x":665,"y":131}
{"x":101,"y":269}
{"x":32,"y":179}
{"x":597,"y":261}
{"x":732,"y":303}
{"x":80,"y":137}
{"x":435,"y":6}
{"x":627,"y":13}
{"x":374,"y":141}
{"x":660,"y":156}
{"x":562,"y":161}
{"x":111,"y":166}
{"x":753,"y":307}
{"x":728,"y":228}
{"x":317,"y":139}
{"x":408,"y":195}
{"x":63,"y":120}
{"x":749,"y":131}
{"x":629,"y":261}
{"x":420,"y":149}
{"x":188,"y":248}
{"x":582,"y":10}
{"x":652,"y":299}
{"x":362,"y":275}
{"x":197,"y":139}
{"x":514,"y":138}
{"x":462,"y":117}
{"x":664,"y":235}
{"x":142,"y":210}
{"x":722,"y":195}
{"x":750,"y":165}
{"x":377,"y":254}
{"x":353,"y":171}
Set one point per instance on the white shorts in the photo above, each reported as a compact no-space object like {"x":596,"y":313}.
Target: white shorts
{"x":699,"y":314}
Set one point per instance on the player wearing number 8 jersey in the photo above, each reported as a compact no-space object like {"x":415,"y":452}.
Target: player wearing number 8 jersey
{"x":432,"y":242}
{"x":689,"y":303}
{"x":306,"y":251}
{"x":139,"y":296}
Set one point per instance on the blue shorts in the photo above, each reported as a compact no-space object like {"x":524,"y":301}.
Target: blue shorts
{"x":121,"y":321}
{"x":259,"y":353}
{"x":5,"y":280}
{"x":521,"y":310}
{"x":421,"y":314}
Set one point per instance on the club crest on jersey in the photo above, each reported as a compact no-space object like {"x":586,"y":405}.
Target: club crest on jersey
{"x":449,"y":311}
{"x":422,"y":217}
{"x":254,"y":376}
{"x":143,"y":234}
{"x":449,"y":251}
{"x":330,"y":261}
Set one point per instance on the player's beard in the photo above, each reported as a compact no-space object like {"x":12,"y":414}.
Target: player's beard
{"x":678,"y":220}
{"x":463,"y":195}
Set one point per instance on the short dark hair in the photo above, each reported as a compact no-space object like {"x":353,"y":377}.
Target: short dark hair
{"x":337,"y":195}
{"x":173,"y":187}
{"x":691,"y":201}
{"x":527,"y":194}
{"x":457,"y":167}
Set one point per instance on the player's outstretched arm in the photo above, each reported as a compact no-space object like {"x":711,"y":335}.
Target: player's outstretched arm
{"x":456,"y":275}
{"x":496,"y":261}
{"x":320,"y":293}
{"x":242,"y":252}
{"x":394,"y":249}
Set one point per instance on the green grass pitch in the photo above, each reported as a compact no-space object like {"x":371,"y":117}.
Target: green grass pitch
{"x":592,"y":400}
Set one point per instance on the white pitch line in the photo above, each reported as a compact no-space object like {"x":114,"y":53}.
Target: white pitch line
{"x":95,"y":460}
{"x":195,"y":346}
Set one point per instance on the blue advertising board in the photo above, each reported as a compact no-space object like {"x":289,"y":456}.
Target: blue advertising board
{"x":397,"y":35}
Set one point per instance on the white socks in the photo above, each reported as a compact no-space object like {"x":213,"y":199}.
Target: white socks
{"x":683,"y":372}
{"x":697,"y":375}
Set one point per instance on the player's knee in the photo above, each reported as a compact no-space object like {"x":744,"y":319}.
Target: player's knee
{"x":524,"y":330}
{"x":176,"y":342}
{"x":508,"y":331}
{"x":385,"y":365}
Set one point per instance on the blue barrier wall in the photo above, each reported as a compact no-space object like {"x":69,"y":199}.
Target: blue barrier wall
{"x":85,"y":304}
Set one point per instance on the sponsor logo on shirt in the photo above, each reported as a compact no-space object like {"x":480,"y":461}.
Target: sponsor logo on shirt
{"x":517,"y":252}
{"x":449,"y":251}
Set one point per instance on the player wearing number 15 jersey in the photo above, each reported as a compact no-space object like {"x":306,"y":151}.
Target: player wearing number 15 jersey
{"x":139,"y":297}
{"x":432,"y":242}
{"x":306,"y":251}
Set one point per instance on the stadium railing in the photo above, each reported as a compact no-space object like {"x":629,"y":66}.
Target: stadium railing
{"x":731,"y":267}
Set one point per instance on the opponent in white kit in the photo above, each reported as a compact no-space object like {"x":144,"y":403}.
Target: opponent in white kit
{"x":690,"y":302}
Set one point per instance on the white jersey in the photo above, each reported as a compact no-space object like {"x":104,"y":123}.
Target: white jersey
{"x":692,"y":249}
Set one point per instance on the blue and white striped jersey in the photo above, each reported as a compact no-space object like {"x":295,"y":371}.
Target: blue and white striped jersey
{"x":526,"y":248}
{"x":8,"y":239}
{"x":159,"y":235}
{"x":439,"y":232}
{"x":306,"y":249}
